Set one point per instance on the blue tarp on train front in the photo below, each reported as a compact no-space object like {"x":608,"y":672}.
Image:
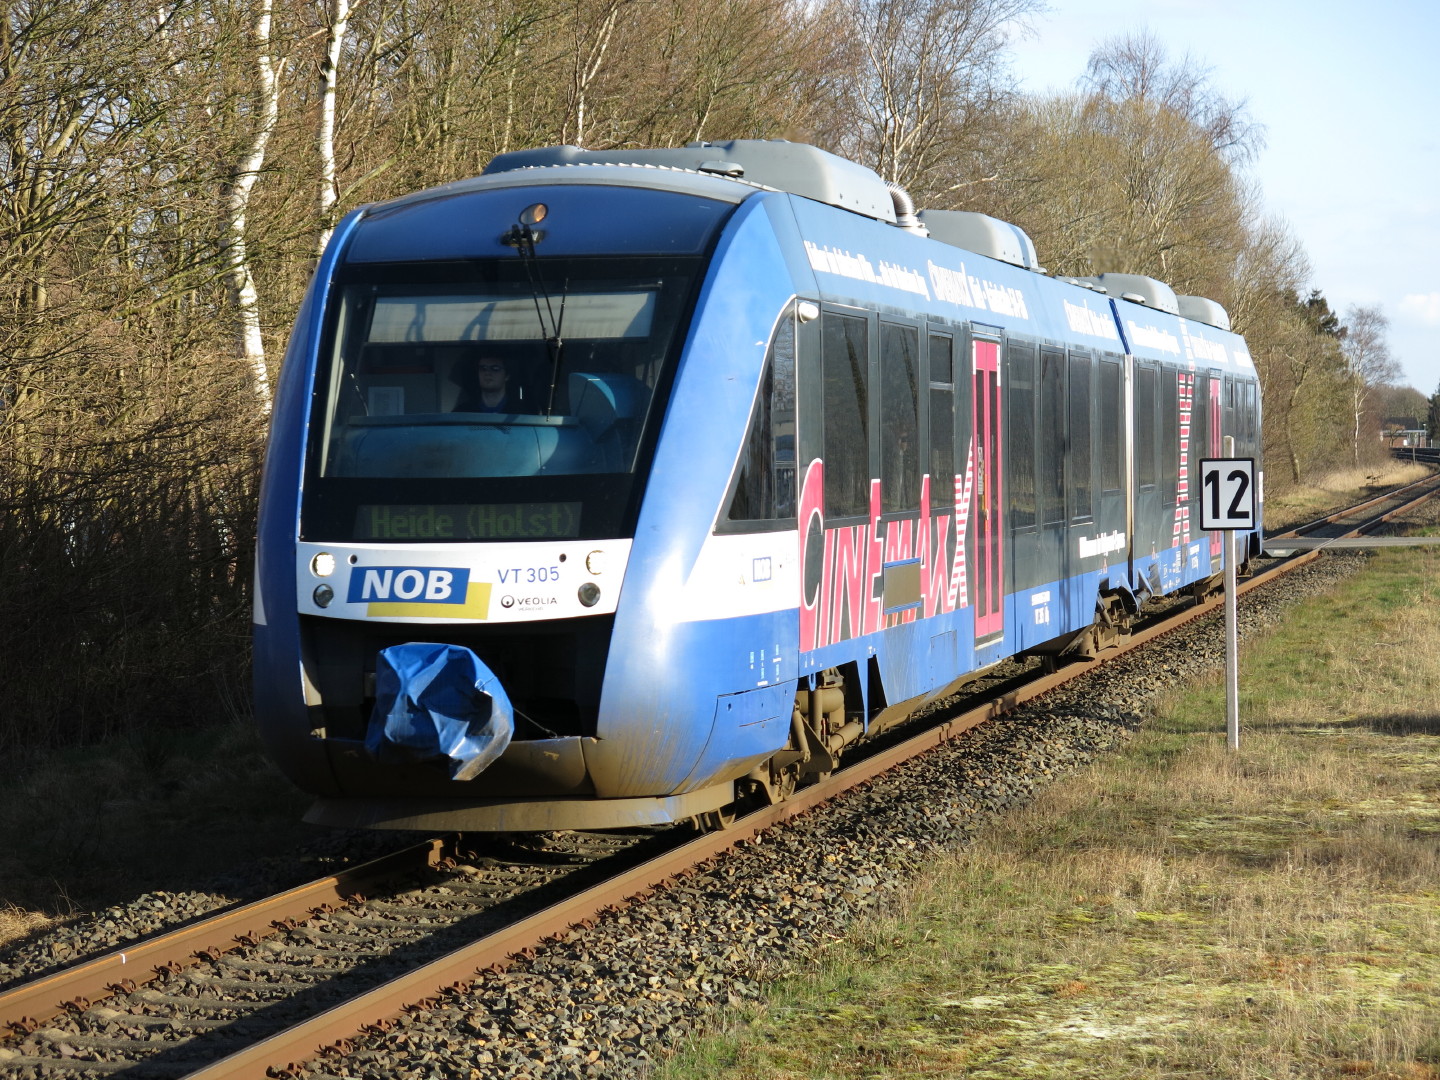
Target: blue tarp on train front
{"x":438,"y":703}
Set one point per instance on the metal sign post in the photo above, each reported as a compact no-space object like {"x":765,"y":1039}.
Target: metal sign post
{"x":1227,"y":502}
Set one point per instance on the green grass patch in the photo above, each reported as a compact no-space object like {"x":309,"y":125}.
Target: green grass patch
{"x":1174,"y":910}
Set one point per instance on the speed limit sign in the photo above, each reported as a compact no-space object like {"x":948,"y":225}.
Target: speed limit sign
{"x":1227,"y":493}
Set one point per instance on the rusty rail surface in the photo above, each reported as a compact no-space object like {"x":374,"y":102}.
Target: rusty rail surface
{"x":332,"y":1031}
{"x":133,"y":966}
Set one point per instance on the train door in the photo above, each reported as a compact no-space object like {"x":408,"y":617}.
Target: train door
{"x":1114,"y":523}
{"x":1208,"y":404}
{"x":989,"y":576}
{"x":1080,"y":489}
{"x":1145,"y":480}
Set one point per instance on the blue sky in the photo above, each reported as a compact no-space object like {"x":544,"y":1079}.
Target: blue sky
{"x":1349,"y":97}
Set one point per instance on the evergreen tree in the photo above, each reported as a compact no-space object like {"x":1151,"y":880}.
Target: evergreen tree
{"x":1315,"y":310}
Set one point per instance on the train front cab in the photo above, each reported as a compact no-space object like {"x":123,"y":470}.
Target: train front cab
{"x":507,"y":534}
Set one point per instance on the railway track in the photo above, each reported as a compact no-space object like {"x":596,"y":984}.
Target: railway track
{"x":1358,"y":526}
{"x":391,"y":953}
{"x":1429,"y":455}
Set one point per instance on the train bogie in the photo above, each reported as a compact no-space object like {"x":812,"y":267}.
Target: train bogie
{"x":707,"y":463}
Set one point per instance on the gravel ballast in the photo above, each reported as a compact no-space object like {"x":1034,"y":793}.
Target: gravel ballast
{"x":606,"y":1000}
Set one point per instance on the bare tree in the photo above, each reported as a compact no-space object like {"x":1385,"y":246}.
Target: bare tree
{"x":687,"y":70}
{"x":591,"y":29}
{"x":1120,"y":186}
{"x":917,"y":79}
{"x":1137,"y":67}
{"x":1368,"y":363}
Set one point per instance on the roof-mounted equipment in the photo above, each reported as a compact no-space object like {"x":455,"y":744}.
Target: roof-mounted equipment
{"x":905,"y":209}
{"x":798,"y":168}
{"x":1199,"y":309}
{"x":983,"y":235}
{"x":1138,"y":289}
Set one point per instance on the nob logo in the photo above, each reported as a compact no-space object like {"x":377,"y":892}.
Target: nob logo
{"x":409,"y":584}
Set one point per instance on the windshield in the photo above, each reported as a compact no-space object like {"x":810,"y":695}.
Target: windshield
{"x":497,"y":374}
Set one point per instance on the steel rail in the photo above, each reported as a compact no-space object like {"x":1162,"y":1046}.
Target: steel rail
{"x":332,"y":1031}
{"x":125,"y":969}
{"x":1434,"y":486}
{"x":1293,"y":540}
{"x":1428,"y":483}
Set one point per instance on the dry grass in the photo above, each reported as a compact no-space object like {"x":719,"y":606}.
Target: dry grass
{"x":1176,"y":910}
{"x":16,"y":922}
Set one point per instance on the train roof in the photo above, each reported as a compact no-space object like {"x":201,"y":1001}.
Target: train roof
{"x":655,"y":178}
{"x":797,"y":168}
{"x":730,"y":172}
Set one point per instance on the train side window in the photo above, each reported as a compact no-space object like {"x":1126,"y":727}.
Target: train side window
{"x":1081,"y":497}
{"x":899,"y":417}
{"x":1020,"y":437}
{"x":1112,"y":411}
{"x":942,"y":421}
{"x":845,"y":367}
{"x":1170,"y":435}
{"x":1145,"y":423}
{"x":1051,"y":437}
{"x":765,"y":473}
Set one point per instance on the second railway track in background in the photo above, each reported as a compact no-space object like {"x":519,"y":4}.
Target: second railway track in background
{"x":1358,"y":525}
{"x":254,"y":989}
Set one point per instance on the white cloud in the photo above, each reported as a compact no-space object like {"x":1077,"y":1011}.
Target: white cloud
{"x":1422,"y":306}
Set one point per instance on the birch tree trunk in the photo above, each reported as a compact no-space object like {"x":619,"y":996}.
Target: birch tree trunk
{"x":329,"y":194}
{"x":1368,"y":362}
{"x":239,"y":275}
{"x":587,"y":59}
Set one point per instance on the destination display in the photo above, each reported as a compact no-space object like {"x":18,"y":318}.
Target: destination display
{"x":481,"y":521}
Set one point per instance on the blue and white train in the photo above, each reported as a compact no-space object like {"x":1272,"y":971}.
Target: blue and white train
{"x":611,"y":488}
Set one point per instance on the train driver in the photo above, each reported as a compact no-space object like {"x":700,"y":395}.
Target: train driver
{"x":486,"y":388}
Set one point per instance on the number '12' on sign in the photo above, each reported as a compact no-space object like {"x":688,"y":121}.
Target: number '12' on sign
{"x":1227,"y":487}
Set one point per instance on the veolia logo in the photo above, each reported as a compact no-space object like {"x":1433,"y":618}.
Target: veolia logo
{"x":408,"y":584}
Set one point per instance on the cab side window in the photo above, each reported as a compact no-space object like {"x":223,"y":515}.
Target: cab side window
{"x":764,"y":485}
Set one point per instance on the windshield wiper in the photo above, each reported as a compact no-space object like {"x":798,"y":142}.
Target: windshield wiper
{"x":523,"y":236}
